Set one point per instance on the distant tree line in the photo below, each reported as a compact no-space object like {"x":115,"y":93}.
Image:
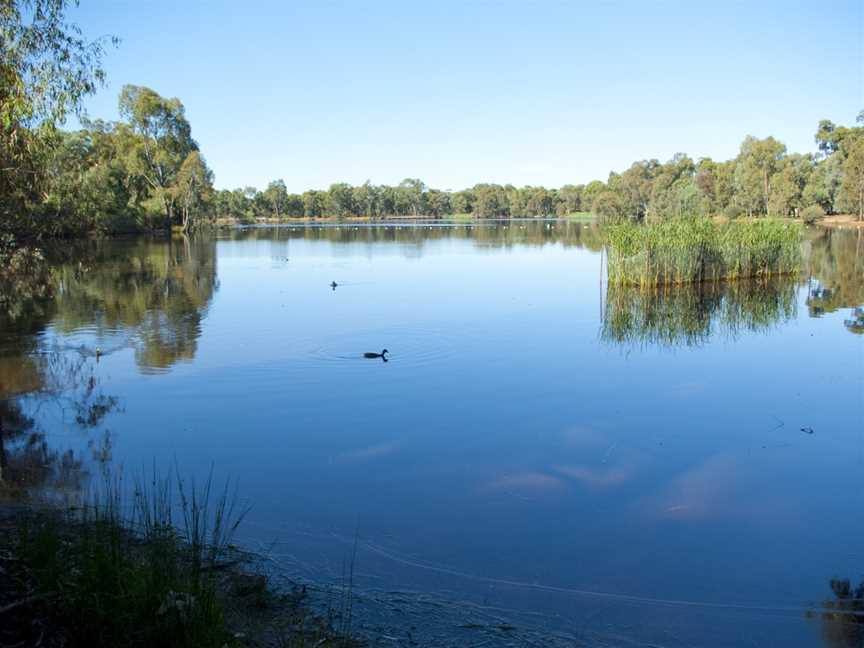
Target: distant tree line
{"x":146,"y":172}
{"x":763,"y":180}
{"x":411,"y":197}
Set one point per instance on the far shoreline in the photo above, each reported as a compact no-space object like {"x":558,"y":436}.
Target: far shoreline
{"x":454,"y":218}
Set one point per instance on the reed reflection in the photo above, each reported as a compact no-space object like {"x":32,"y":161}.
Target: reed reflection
{"x":670,"y":316}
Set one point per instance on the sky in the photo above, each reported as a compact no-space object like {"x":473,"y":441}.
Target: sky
{"x":456,"y":93}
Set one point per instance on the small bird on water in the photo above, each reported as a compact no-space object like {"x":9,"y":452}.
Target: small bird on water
{"x":333,"y":285}
{"x":371,"y":354}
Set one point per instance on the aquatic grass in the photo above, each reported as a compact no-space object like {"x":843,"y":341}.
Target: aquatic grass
{"x":124,"y":574}
{"x":697,"y":250}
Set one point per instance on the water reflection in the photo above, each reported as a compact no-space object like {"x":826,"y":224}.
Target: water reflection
{"x":68,"y":385}
{"x":836,"y":262}
{"x":843,"y":616}
{"x":535,"y":232}
{"x":153,"y":295}
{"x":692,"y":315}
{"x":501,"y":445}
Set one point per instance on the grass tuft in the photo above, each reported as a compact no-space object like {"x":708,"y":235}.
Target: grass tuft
{"x":126,"y":575}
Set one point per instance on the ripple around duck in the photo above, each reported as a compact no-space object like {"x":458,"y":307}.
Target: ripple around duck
{"x":410,"y":346}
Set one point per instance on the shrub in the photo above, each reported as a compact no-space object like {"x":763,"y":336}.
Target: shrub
{"x":732,"y":212}
{"x":812,"y":214}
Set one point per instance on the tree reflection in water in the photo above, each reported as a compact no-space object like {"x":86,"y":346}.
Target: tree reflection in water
{"x":836,"y":261}
{"x":152,"y":294}
{"x":155,"y":294}
{"x":843,"y":616}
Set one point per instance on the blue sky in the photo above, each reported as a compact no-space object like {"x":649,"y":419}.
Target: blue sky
{"x":462,"y":92}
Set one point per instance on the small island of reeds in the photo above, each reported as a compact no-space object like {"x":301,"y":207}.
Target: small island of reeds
{"x":699,"y":250}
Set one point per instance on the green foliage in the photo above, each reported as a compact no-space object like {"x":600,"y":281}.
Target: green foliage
{"x":105,"y":178}
{"x":608,"y":207}
{"x":411,"y":198}
{"x":137,"y":578}
{"x":46,"y":66}
{"x":836,"y":259}
{"x":24,"y":277}
{"x":46,"y":70}
{"x":693,"y":250}
{"x":852,"y":187}
{"x":732,"y":212}
{"x":812,"y":214}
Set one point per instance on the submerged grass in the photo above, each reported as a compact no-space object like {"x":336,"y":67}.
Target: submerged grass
{"x":697,"y":250}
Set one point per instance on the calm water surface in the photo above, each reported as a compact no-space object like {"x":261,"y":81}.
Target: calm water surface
{"x":626,"y":469}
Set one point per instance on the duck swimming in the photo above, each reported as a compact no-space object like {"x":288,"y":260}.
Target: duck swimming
{"x":370,"y":354}
{"x":333,"y":285}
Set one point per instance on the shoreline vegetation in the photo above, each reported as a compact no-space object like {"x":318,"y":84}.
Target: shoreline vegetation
{"x":158,"y":571}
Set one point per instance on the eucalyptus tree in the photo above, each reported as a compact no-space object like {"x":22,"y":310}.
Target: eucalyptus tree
{"x":410,"y":196}
{"x":294,"y":205}
{"x":163,"y":140}
{"x":490,"y":201}
{"x":47,"y":68}
{"x":852,"y":188}
{"x":438,"y":203}
{"x":832,"y":138}
{"x":463,"y":202}
{"x":634,"y":188}
{"x":365,"y":199}
{"x":313,"y":203}
{"x":590,"y":193}
{"x":570,"y":197}
{"x":340,"y":200}
{"x":757,"y":163}
{"x":276,"y":195}
{"x":609,"y":207}
{"x":787,"y":190}
{"x":673,"y":191}
{"x":193,"y":188}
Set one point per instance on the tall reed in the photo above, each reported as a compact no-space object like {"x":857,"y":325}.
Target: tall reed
{"x":697,"y":250}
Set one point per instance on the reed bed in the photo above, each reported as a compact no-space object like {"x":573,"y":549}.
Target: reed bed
{"x":699,"y":250}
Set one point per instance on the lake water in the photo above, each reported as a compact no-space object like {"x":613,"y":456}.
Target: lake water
{"x":598,"y":466}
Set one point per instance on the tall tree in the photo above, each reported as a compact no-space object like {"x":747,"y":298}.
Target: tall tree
{"x":163,"y":141}
{"x":47,"y":67}
{"x":758,"y":161}
{"x":276,"y":195}
{"x":411,"y":194}
{"x":852,"y":189}
{"x":193,"y":188}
